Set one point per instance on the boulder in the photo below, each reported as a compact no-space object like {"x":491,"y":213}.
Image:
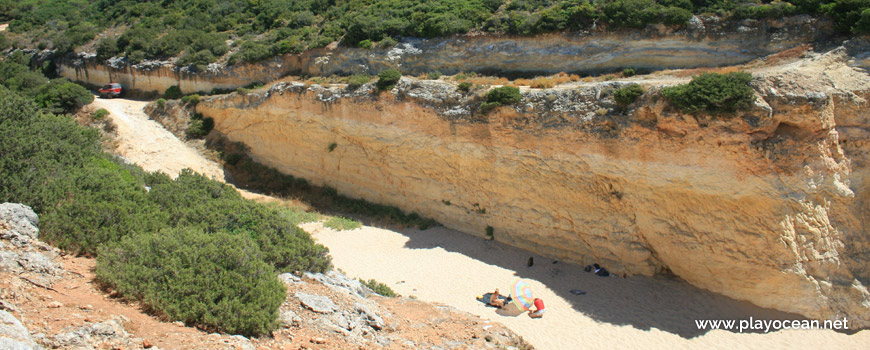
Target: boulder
{"x":317,"y":303}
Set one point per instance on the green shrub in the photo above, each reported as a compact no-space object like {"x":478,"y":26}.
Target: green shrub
{"x":331,"y":146}
{"x":434,"y":75}
{"x":387,"y":79}
{"x":504,"y":95}
{"x":107,"y":48}
{"x":627,"y":94}
{"x":628,"y":72}
{"x":199,"y":128}
{"x":366,"y":44}
{"x":172,"y":93}
{"x":379,"y":288}
{"x":63,"y":96}
{"x":490,"y":233}
{"x":487,"y":107}
{"x":216,"y":281}
{"x":713,"y":92}
{"x":863,"y":25}
{"x":341,"y":223}
{"x":5,"y":44}
{"x":210,"y":206}
{"x":464,"y":86}
{"x":358,"y":80}
{"x":161,"y":102}
{"x":191,"y":99}
{"x":100,"y":114}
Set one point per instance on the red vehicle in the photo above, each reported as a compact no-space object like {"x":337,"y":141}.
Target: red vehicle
{"x":111,"y":90}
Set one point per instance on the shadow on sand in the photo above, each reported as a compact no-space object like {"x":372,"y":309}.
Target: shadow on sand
{"x":641,"y":302}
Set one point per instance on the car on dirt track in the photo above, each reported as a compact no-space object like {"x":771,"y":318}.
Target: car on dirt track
{"x":111,"y":90}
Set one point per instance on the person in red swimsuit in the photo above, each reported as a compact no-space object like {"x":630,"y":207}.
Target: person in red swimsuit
{"x":539,"y":305}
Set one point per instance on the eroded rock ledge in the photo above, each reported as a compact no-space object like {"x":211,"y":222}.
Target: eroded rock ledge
{"x":706,"y":42}
{"x":767,"y":206}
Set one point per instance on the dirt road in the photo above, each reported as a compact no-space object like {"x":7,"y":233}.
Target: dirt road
{"x":148,"y":144}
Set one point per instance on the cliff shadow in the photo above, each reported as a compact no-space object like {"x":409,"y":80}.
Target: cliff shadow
{"x":663,"y":302}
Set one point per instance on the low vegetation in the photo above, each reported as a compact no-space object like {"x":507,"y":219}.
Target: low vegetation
{"x":388,"y":79}
{"x":216,"y":281}
{"x":198,"y":31}
{"x":378,"y":287}
{"x":713,"y":93}
{"x":341,"y":223}
{"x":500,"y":96}
{"x":190,"y":249}
{"x":627,"y":94}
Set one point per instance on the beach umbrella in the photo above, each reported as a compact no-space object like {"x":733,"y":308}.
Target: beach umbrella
{"x":522,"y":294}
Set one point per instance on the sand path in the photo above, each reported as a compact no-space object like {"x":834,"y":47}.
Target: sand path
{"x":450,"y":267}
{"x":146,"y":143}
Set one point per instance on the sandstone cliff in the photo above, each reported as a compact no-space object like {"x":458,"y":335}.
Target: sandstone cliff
{"x":706,"y":42}
{"x":767,"y":206}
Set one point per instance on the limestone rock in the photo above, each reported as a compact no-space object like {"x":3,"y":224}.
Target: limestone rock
{"x":765,"y":206}
{"x":22,"y":223}
{"x":317,"y":303}
{"x":13,"y":334}
{"x":372,"y":319}
{"x":707,"y":42}
{"x":289,"y":318}
{"x":339,"y":281}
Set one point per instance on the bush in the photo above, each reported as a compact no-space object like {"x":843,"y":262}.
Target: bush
{"x":434,"y":75}
{"x":378,"y":287}
{"x":713,"y":92}
{"x":172,"y":93}
{"x":4,"y":43}
{"x":358,"y":80}
{"x":100,"y":114}
{"x":366,"y":44}
{"x":341,"y":224}
{"x":63,"y":96}
{"x":626,"y":95}
{"x":387,"y":79}
{"x":215,"y":281}
{"x":464,"y":86}
{"x":191,"y":99}
{"x":199,"y":128}
{"x":107,"y":48}
{"x":504,"y":95}
{"x":210,"y":206}
{"x":628,"y":72}
{"x":161,"y":102}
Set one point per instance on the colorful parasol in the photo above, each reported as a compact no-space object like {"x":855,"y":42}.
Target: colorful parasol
{"x":522,"y":295}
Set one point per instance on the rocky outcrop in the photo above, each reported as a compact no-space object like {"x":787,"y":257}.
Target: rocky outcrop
{"x":768,"y":205}
{"x":706,"y":42}
{"x":13,"y":334}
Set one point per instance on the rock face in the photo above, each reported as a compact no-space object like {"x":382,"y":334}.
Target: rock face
{"x":13,"y":335}
{"x":767,"y":206}
{"x":707,"y":42}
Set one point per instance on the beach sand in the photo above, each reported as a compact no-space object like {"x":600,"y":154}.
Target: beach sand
{"x":450,"y":267}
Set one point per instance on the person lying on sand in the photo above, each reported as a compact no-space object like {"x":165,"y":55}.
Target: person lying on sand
{"x":599,"y":271}
{"x":494,"y":299}
{"x":539,"y":306}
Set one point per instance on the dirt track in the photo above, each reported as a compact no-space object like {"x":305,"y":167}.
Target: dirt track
{"x":148,"y":144}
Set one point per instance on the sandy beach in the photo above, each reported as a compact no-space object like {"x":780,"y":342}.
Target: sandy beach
{"x":449,"y":267}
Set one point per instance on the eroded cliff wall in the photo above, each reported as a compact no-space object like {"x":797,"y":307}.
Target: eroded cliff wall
{"x":767,"y":206}
{"x":706,"y":42}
